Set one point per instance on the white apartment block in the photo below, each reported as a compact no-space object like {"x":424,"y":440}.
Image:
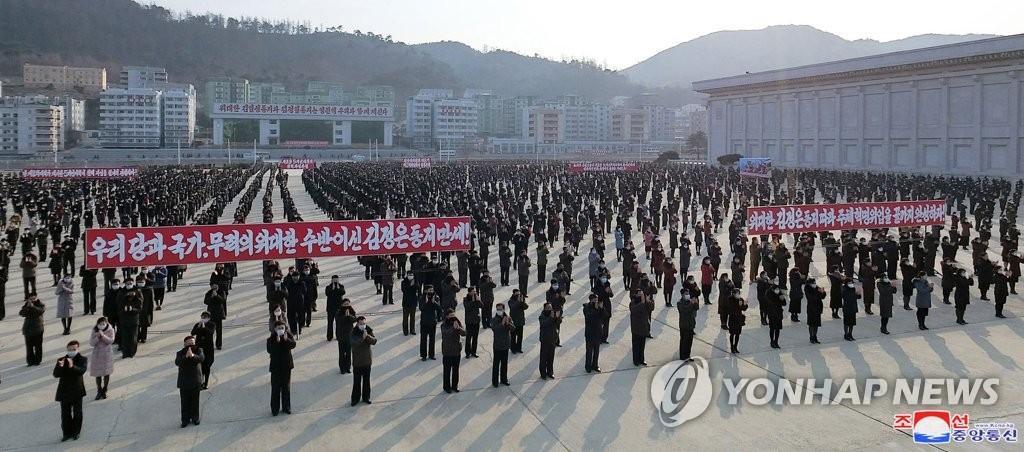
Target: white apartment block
{"x":131,"y":117}
{"x":29,"y":127}
{"x":544,"y":125}
{"x":454,"y":122}
{"x":179,"y":115}
{"x":142,"y":76}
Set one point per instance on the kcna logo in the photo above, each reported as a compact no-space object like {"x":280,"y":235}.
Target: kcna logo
{"x":681,"y":391}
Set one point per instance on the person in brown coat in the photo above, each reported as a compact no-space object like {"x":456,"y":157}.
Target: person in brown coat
{"x":451,"y":350}
{"x":361,"y":339}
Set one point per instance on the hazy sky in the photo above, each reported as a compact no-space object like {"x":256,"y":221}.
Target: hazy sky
{"x":620,"y":33}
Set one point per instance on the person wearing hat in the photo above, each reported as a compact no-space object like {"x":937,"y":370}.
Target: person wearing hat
{"x":451,"y":350}
{"x":189,"y":361}
{"x":430,"y":312}
{"x":202,"y":336}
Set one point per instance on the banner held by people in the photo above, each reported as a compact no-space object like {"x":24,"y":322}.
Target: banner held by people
{"x":124,"y":172}
{"x":756,"y":167}
{"x":591,"y":167}
{"x":830,"y":217}
{"x":182,"y":245}
{"x":297,"y":164}
{"x":416,"y":162}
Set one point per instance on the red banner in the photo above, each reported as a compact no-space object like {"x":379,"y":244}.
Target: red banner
{"x":416,"y":162}
{"x":181,"y":245}
{"x":80,"y":173}
{"x":297,"y":164}
{"x":589,"y":167}
{"x":831,"y":217}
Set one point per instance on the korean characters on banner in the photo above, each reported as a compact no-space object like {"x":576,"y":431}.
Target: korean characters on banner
{"x":830,"y":217}
{"x":756,"y":167}
{"x":183,"y":245}
{"x":297,"y":164}
{"x":126,"y":172}
{"x":590,"y":167}
{"x":416,"y":162}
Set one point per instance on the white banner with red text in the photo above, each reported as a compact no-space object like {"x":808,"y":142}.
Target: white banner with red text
{"x":297,"y":164}
{"x":125,"y":172}
{"x":831,"y":217}
{"x":416,"y":162}
{"x":592,"y":167}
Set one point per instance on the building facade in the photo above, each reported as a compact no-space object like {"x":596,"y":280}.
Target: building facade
{"x":142,"y":76}
{"x":64,"y":77}
{"x":226,"y":90}
{"x":544,"y":125}
{"x":954,"y":109}
{"x":30,"y":125}
{"x":632,"y":126}
{"x":179,"y":115}
{"x":131,"y":117}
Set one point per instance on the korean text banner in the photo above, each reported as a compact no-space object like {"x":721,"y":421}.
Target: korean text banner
{"x":182,"y":245}
{"x":588,"y":167}
{"x":831,"y":217}
{"x":756,"y":167}
{"x":80,"y":173}
{"x":297,"y":164}
{"x":416,"y":162}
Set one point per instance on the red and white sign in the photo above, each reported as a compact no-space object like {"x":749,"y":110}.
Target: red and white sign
{"x":591,"y":167}
{"x":182,"y":245}
{"x":80,"y":173}
{"x":831,"y":217}
{"x":297,"y":164}
{"x":305,"y":144}
{"x":416,"y":162}
{"x":299,"y":111}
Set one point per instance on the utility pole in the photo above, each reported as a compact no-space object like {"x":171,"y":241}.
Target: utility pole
{"x":179,"y":152}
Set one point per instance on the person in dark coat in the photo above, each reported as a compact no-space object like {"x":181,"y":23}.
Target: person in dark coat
{"x":775,"y":301}
{"x":549,"y":320}
{"x":961,"y":294}
{"x":111,"y":307}
{"x":517,"y":307}
{"x":471,"y":303}
{"x":279,"y":346}
{"x":88,"y":286}
{"x":32,"y":329}
{"x":640,"y":309}
{"x":346,"y":321}
{"x":502,"y":327}
{"x":850,"y":308}
{"x":815,"y":307}
{"x":923,"y":301}
{"x":1001,"y":290}
{"x":410,"y":298}
{"x":451,"y":350}
{"x":835,"y":301}
{"x":796,"y":293}
{"x":190,"y":380}
{"x":595,"y":315}
{"x":334,"y":292}
{"x":217,"y":307}
{"x":202,"y":335}
{"x":70,"y":369}
{"x":362,"y":339}
{"x":487,"y":286}
{"x":687,"y":308}
{"x":430,"y":312}
{"x":735,"y":305}
{"x":868,"y":272}
{"x":296,"y":305}
{"x":148,"y":306}
{"x":985,"y":271}
{"x":129,"y":315}
{"x":885,"y":300}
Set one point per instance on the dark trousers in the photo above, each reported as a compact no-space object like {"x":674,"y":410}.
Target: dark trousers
{"x":542,"y":273}
{"x":451,"y":372}
{"x":143,"y":332}
{"x":172,"y":280}
{"x":408,"y":319}
{"x":921,"y":314}
{"x":388,"y":296}
{"x":71,"y":417}
{"x":472,"y":334}
{"x":685,"y":344}
{"x":639,"y":343}
{"x":593,"y":354}
{"x":280,"y":390}
{"x":517,"y":339}
{"x":158,"y":295}
{"x":129,"y":339}
{"x":89,"y":300}
{"x":295,"y":321}
{"x":547,"y":359}
{"x":309,"y":312}
{"x":29,"y":282}
{"x":344,"y":355}
{"x":34,"y":349}
{"x":360,"y":383}
{"x":524,"y":281}
{"x":427,"y":335}
{"x":499,"y":367}
{"x":189,"y":405}
{"x":218,"y":325}
{"x":331,"y":314}
{"x":503,"y":276}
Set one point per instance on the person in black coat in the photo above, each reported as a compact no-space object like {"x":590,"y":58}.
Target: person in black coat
{"x":775,"y":301}
{"x":88,"y":286}
{"x":346,"y":321}
{"x":296,"y":305}
{"x":190,"y":380}
{"x":334,"y":291}
{"x":885,"y":301}
{"x":687,"y":308}
{"x":502,"y":326}
{"x":430,"y":313}
{"x":217,"y":307}
{"x":410,"y":297}
{"x":202,"y":334}
{"x":1001,"y":289}
{"x":549,"y":320}
{"x":279,"y":346}
{"x":32,"y":329}
{"x":594,"y":316}
{"x":472,"y":304}
{"x":735,"y":305}
{"x":451,"y":350}
{"x":961,"y":294}
{"x":129,"y":315}
{"x":850,"y":308}
{"x":815,"y":307}
{"x":70,"y":390}
{"x":640,"y":309}
{"x":517,"y":310}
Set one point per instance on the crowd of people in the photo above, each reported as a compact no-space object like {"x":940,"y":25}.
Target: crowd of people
{"x":664,"y":222}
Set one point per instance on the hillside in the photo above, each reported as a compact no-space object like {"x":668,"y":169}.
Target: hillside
{"x":112,"y":33}
{"x":728,"y":53}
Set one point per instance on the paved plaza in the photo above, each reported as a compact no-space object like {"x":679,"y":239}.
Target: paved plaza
{"x":576,"y":411}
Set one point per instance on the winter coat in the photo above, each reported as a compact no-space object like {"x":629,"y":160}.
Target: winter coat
{"x":33,"y":314}
{"x":885,"y":293}
{"x":451,"y":339}
{"x":101,"y":362}
{"x":71,"y":386}
{"x":65,"y":299}
{"x":362,"y":354}
{"x":924,"y":294}
{"x":502,"y":333}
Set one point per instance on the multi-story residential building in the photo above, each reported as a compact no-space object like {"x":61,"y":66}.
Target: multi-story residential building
{"x":131,"y":117}
{"x":374,"y":96}
{"x":662,"y":122}
{"x":64,"y":77}
{"x":631,"y":125}
{"x":30,"y":125}
{"x":454,"y":123}
{"x":226,"y":90}
{"x":179,"y":114}
{"x":261,"y":93}
{"x":419,"y":112}
{"x":142,"y":76}
{"x":544,"y":125}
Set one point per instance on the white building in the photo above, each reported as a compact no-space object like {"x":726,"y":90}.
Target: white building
{"x":179,"y":115}
{"x":131,"y":117}
{"x":953,"y":109}
{"x":29,"y":126}
{"x":142,"y":76}
{"x":435,"y":118}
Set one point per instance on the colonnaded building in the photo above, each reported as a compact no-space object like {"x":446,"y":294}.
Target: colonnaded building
{"x":954,"y":109}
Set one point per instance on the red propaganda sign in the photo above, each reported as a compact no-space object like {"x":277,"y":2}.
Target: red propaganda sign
{"x":416,"y":162}
{"x":831,"y":217}
{"x":80,"y":173}
{"x":589,"y":167}
{"x":297,"y":164}
{"x":182,"y":245}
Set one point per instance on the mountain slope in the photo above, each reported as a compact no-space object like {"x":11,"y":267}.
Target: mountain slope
{"x":728,"y":53}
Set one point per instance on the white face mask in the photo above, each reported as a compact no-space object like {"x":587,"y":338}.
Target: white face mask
{"x":278,"y":312}
{"x":362,"y":327}
{"x":279,"y":332}
{"x":500,"y":312}
{"x":72,"y":353}
{"x":115,"y":286}
{"x":142,"y":284}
